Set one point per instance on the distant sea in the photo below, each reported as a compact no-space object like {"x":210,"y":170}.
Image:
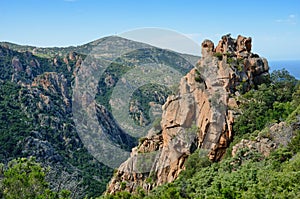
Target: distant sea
{"x":293,"y":66}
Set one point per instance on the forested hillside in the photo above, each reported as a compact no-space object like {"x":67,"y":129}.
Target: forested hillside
{"x":36,"y":110}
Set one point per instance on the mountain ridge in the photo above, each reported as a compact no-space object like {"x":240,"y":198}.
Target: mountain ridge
{"x":82,"y":49}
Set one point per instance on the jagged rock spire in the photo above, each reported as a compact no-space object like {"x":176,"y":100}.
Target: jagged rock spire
{"x":200,"y":116}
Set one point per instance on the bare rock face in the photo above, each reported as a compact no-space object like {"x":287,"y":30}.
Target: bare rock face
{"x":244,"y":44}
{"x":200,"y":116}
{"x":72,"y":56}
{"x":53,"y":82}
{"x":261,"y":145}
{"x":207,"y":48}
{"x":16,"y":64}
{"x":267,"y":140}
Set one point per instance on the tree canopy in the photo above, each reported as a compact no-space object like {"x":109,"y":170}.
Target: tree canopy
{"x":25,"y":178}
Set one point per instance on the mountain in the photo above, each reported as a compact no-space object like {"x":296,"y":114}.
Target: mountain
{"x":221,"y":125}
{"x":205,"y":116}
{"x":37,"y":118}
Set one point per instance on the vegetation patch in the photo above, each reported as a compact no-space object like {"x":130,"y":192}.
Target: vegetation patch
{"x":219,"y":56}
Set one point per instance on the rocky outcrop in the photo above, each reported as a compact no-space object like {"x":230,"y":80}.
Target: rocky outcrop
{"x":200,"y":116}
{"x":54,"y":83}
{"x":267,"y":140}
{"x":15,"y":62}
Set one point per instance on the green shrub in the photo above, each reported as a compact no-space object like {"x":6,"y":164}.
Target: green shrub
{"x":142,"y":139}
{"x":218,"y":55}
{"x":156,"y":123}
{"x":24,"y":178}
{"x":197,"y":79}
{"x":294,"y":145}
{"x":123,"y":185}
{"x":195,"y":162}
{"x":270,"y":102}
{"x":230,"y":60}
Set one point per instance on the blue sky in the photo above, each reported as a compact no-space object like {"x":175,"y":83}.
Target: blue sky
{"x":273,"y":24}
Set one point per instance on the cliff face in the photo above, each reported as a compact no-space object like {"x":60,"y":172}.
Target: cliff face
{"x":200,"y":116}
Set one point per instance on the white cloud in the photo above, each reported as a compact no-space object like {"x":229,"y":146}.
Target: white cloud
{"x":291,"y":19}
